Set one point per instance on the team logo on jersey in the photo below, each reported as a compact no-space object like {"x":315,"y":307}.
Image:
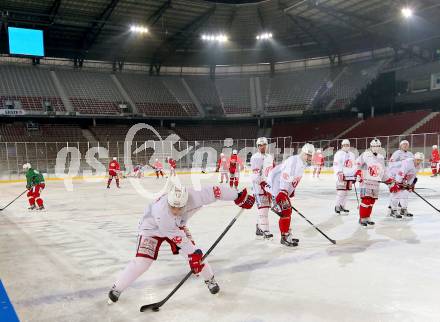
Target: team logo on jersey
{"x":373,"y":170}
{"x":348,"y":164}
{"x":177,"y":240}
{"x":217,"y":192}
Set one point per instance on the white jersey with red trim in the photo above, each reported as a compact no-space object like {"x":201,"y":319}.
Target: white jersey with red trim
{"x":401,"y":155}
{"x":372,"y":166}
{"x":159,"y":221}
{"x":286,"y":176}
{"x":404,"y":171}
{"x":261,"y":165}
{"x":345,"y":162}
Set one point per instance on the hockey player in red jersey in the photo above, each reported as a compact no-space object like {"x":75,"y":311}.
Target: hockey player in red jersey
{"x":235,"y":166}
{"x":158,"y":168}
{"x":172,"y":164}
{"x":318,"y":163}
{"x":113,"y":172}
{"x":165,"y":220}
{"x":222,"y":167}
{"x":435,"y":159}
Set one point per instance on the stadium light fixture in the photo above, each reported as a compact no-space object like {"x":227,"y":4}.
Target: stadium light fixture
{"x":407,"y":12}
{"x":221,"y":38}
{"x":265,"y":36}
{"x":139,"y":29}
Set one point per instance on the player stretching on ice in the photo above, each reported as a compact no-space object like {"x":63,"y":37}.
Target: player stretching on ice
{"x":404,"y":175}
{"x":222,"y":166}
{"x":235,"y":166}
{"x":261,"y":164}
{"x":158,"y":168}
{"x":371,"y":172}
{"x":35,"y":185}
{"x":113,"y":172}
{"x":435,"y":159}
{"x":282,"y":182}
{"x":165,"y":220}
{"x":344,"y":167}
{"x":318,"y":163}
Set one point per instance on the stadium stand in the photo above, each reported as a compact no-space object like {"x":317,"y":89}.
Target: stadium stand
{"x":309,"y":131}
{"x":91,"y":92}
{"x":206,"y":92}
{"x":152,"y":97}
{"x":29,"y":85}
{"x":234,"y":94}
{"x":219,"y":132}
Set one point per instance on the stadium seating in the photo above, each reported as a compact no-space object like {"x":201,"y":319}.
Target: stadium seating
{"x":17,"y":132}
{"x":152,"y":97}
{"x":294,"y":90}
{"x":29,"y":85}
{"x":91,"y":92}
{"x":390,"y":124}
{"x":309,"y":131}
{"x":217,"y":132}
{"x":234,"y":94}
{"x":206,"y":92}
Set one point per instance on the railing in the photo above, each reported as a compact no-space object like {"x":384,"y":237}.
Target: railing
{"x":189,"y":154}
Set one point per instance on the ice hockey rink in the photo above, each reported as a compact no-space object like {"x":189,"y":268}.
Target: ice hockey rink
{"x":58,"y":265}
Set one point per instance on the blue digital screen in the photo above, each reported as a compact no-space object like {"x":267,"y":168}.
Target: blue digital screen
{"x":27,"y":42}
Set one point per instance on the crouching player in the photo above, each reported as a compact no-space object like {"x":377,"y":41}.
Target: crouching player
{"x":405,"y":179}
{"x":281,"y":185}
{"x":165,"y":221}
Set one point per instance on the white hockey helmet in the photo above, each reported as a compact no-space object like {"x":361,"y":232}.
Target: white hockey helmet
{"x":234,"y":151}
{"x":403,"y":142}
{"x":262,"y":141}
{"x":345,"y":142}
{"x":156,"y":160}
{"x":434,"y":147}
{"x":375,"y":145}
{"x":308,"y":149}
{"x":115,"y":158}
{"x":419,"y":156}
{"x":222,"y":154}
{"x":27,"y":166}
{"x":177,"y":196}
{"x":318,"y":151}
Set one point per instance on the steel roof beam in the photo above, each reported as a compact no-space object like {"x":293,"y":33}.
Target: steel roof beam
{"x":154,"y":18}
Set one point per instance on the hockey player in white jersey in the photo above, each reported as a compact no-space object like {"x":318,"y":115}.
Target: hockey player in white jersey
{"x":165,"y":220}
{"x":261,"y":164}
{"x":371,"y":171}
{"x":344,"y":167}
{"x":405,"y":178}
{"x":395,"y":161}
{"x":282,"y":182}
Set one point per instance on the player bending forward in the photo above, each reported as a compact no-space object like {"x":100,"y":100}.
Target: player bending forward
{"x":404,"y":175}
{"x":344,"y":166}
{"x":35,"y":185}
{"x":158,"y":168}
{"x":165,"y":220}
{"x":318,"y":163}
{"x":172,"y":163}
{"x":282,"y":182}
{"x":113,"y":172}
{"x":261,"y":164}
{"x":371,"y":172}
{"x":222,"y":167}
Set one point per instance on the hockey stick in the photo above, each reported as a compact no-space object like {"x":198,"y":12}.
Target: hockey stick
{"x":331,"y":240}
{"x":13,"y":200}
{"x":426,"y":201}
{"x":355,"y":190}
{"x":155,"y":306}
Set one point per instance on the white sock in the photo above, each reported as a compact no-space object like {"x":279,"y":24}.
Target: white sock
{"x":135,"y":268}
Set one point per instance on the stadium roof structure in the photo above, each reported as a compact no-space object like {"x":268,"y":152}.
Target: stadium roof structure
{"x":100,"y":29}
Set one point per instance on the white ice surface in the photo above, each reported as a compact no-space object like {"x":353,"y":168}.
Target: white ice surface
{"x":59,"y":265}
